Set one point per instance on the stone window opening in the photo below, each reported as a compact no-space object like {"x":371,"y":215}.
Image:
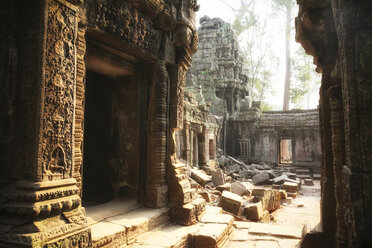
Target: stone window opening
{"x":285,"y":156}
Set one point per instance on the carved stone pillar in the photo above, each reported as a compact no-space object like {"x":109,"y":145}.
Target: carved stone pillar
{"x":45,"y":208}
{"x":156,"y":186}
{"x":338,"y":148}
{"x":354,"y":24}
{"x":328,"y":205}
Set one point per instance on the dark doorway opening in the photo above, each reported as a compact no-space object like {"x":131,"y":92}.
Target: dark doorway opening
{"x":195,"y":151}
{"x":97,"y":144}
{"x":211,"y":149}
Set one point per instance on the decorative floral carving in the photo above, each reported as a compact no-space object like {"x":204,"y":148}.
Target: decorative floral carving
{"x":58,"y":91}
{"x":134,"y":28}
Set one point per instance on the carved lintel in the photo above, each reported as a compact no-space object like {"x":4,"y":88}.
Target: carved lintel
{"x":128,"y":24}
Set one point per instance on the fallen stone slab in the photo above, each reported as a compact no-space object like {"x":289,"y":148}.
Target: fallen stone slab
{"x":230,"y":202}
{"x":200,"y":177}
{"x":242,"y":224}
{"x":290,"y":175}
{"x":254,"y":211}
{"x":275,"y":230}
{"x":261,"y":178}
{"x":213,"y":210}
{"x":218,"y":177}
{"x":218,"y":219}
{"x":240,"y":235}
{"x":279,"y":180}
{"x":232,"y":168}
{"x":241,"y":188}
{"x":293,"y":181}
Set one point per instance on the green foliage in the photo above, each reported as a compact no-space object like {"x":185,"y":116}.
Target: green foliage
{"x":306,"y":81}
{"x":244,"y":17}
{"x":258,"y":57}
{"x":283,"y":5}
{"x":266,"y":106}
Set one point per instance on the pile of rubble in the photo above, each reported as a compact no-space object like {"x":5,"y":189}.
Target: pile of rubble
{"x":249,"y":192}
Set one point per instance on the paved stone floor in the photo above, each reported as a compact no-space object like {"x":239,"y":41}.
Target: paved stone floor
{"x":290,"y":223}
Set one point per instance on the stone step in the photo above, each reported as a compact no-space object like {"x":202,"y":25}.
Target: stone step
{"x":213,"y":230}
{"x":304,"y":176}
{"x":302,"y":171}
{"x":170,"y":236}
{"x":250,"y":234}
{"x":316,"y":176}
{"x":123,"y":229}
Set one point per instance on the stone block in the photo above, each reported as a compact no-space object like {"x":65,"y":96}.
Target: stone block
{"x":218,"y":177}
{"x":185,"y":215}
{"x":293,"y":195}
{"x":200,"y":177}
{"x":290,"y":187}
{"x":309,"y":182}
{"x":212,"y":236}
{"x":228,"y":179}
{"x":225,"y":187}
{"x":261,"y":178}
{"x":254,"y":211}
{"x":266,"y":218}
{"x":276,"y":186}
{"x":206,"y":195}
{"x":283,"y":194}
{"x":199,"y":204}
{"x":270,"y":198}
{"x":230,"y":202}
{"x":241,"y":188}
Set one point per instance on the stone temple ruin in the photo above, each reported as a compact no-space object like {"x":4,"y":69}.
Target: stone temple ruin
{"x":103,"y":140}
{"x":218,"y":77}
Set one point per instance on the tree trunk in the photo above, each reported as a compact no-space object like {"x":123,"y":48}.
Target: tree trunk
{"x":287,"y":81}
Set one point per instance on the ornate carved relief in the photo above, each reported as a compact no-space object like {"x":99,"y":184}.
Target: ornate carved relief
{"x":79,"y":240}
{"x":57,"y":114}
{"x":79,"y":106}
{"x":127,"y":23}
{"x":156,"y":171}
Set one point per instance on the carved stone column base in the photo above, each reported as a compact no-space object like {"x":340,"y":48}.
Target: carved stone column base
{"x":157,"y":196}
{"x":44,"y":214}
